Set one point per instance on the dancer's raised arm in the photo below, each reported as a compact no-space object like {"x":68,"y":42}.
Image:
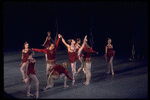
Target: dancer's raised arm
{"x":67,"y":45}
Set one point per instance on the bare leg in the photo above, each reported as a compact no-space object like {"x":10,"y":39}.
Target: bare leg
{"x":108,"y":65}
{"x":28,"y":87}
{"x":22,"y":71}
{"x":73,"y":67}
{"x":111,"y":64}
{"x":80,"y":68}
{"x":65,"y":79}
{"x":34,"y":78}
{"x":88,"y":73}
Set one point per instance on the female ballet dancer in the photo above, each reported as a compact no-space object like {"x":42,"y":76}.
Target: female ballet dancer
{"x":24,"y":60}
{"x":109,"y":55}
{"x":31,"y":74}
{"x":87,"y":51}
{"x":47,"y":42}
{"x":73,"y":54}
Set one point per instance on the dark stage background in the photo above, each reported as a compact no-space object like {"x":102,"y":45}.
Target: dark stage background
{"x":120,"y":21}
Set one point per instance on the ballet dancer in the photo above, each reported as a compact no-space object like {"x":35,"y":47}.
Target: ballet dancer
{"x":57,"y":72}
{"x":109,"y":55}
{"x":73,"y":54}
{"x":87,"y":51}
{"x":31,"y":75}
{"x":24,"y":60}
{"x":51,"y":54}
{"x":47,"y":42}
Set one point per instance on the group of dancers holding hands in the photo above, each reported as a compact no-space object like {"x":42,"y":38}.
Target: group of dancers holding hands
{"x":54,"y":71}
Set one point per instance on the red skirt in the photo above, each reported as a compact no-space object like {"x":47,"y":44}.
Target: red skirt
{"x":31,"y":69}
{"x":72,"y":57}
{"x":110,"y":53}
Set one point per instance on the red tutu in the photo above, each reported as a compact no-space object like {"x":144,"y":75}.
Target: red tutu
{"x":72,"y":57}
{"x":110,"y":53}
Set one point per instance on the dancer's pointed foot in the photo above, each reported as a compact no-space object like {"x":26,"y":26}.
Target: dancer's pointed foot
{"x":73,"y":82}
{"x":29,"y":95}
{"x":66,"y":86}
{"x":112,"y":73}
{"x":86,"y":83}
{"x":37,"y":95}
{"x":108,"y":72}
{"x":49,"y":86}
{"x":25,"y":80}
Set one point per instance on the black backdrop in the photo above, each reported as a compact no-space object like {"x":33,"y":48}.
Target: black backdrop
{"x":120,"y":21}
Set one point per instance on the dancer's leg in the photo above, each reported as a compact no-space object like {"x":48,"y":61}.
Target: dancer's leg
{"x":22,"y":71}
{"x":108,"y":65}
{"x":73,"y":67}
{"x":88,"y":73}
{"x":111,"y":64}
{"x":34,"y":78}
{"x":80,"y":68}
{"x":28,"y":87}
{"x":65,"y":79}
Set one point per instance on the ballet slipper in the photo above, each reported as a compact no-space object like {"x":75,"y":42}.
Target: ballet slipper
{"x":37,"y":95}
{"x":49,"y":86}
{"x":29,"y":95}
{"x":66,"y":86}
{"x":112,"y":73}
{"x":73,"y":82}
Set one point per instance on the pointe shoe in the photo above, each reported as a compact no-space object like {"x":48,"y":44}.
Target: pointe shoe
{"x":66,"y":86}
{"x":107,"y":72}
{"x":73,"y":82}
{"x":87,"y":83}
{"x":47,"y":87}
{"x":112,"y":73}
{"x":37,"y":95}
{"x":25,"y":80}
{"x":29,"y":95}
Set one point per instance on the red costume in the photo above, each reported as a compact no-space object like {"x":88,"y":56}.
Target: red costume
{"x":87,"y":54}
{"x":25,"y":57}
{"x":58,"y":69}
{"x":48,"y":42}
{"x":51,"y":54}
{"x":31,"y":69}
{"x":73,"y":56}
{"x":110,"y":52}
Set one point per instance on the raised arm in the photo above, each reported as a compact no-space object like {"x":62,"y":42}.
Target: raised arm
{"x":57,"y":42}
{"x":82,"y":46}
{"x":45,"y":41}
{"x":67,"y":45}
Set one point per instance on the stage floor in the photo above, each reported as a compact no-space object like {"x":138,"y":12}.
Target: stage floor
{"x":130,"y":79}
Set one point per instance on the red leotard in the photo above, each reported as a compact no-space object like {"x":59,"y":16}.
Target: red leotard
{"x":47,"y":42}
{"x":110,"y":52}
{"x":73,"y":56}
{"x":25,"y":57}
{"x":31,"y":69}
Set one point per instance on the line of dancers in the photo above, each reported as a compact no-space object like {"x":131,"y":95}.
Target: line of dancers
{"x":55,"y":71}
